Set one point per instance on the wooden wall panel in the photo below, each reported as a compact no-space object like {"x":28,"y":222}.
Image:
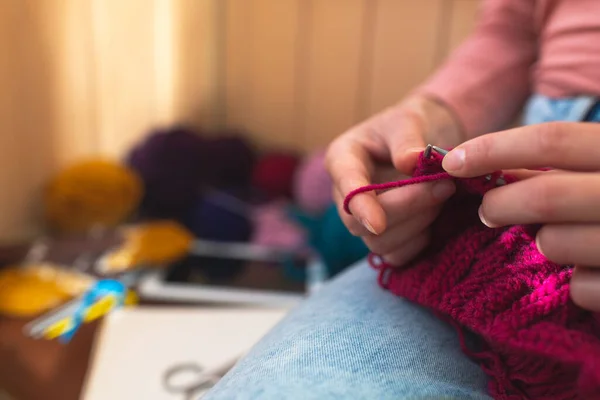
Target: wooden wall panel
{"x":92,"y":76}
{"x":197,"y":72}
{"x":237,"y":49}
{"x":261,"y":97}
{"x":74,"y":90}
{"x":332,"y":64}
{"x":125,"y":83}
{"x":404,"y":48}
{"x":28,"y":124}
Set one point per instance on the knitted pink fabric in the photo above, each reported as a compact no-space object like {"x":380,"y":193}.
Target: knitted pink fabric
{"x":532,"y":341}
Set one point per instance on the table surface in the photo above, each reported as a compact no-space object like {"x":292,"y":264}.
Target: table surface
{"x":41,"y":369}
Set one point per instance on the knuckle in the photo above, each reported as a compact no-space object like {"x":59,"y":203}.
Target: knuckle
{"x":543,"y":199}
{"x":332,"y":153}
{"x":479,"y":152}
{"x":552,"y":138}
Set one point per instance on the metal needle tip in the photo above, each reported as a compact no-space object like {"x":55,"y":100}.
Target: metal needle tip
{"x":440,"y":150}
{"x":427,"y":151}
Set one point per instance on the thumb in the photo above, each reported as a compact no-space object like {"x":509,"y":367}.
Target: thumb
{"x":406,"y":142}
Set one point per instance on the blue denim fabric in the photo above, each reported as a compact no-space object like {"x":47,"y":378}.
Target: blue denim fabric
{"x":541,"y":109}
{"x":353,"y":340}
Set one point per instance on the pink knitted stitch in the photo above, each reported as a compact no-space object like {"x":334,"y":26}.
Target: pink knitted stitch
{"x":532,"y":341}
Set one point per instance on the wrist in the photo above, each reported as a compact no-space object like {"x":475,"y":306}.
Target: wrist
{"x":441,"y":126}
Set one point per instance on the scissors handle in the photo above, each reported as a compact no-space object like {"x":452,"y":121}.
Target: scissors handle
{"x":199,"y":380}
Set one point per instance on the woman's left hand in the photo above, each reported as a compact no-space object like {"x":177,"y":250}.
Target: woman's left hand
{"x":565,"y":201}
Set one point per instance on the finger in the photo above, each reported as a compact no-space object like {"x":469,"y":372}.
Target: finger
{"x":522,"y":174}
{"x":351,"y":167}
{"x":570,"y":244}
{"x":395,"y":237}
{"x":351,"y":223}
{"x":546,"y":198}
{"x":402,"y":204}
{"x":404,"y":138}
{"x":408,"y":251}
{"x":570,"y":146}
{"x":585,"y":288}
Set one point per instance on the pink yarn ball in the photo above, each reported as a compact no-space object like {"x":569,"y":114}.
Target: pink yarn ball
{"x":272,"y":227}
{"x":312,"y":184}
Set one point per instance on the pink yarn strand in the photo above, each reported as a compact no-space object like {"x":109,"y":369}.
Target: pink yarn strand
{"x":393,"y":185}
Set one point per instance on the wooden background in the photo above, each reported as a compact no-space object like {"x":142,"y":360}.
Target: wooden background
{"x":81,"y":77}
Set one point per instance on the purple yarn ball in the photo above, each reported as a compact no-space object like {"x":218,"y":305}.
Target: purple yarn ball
{"x":231,"y":159}
{"x":172,"y":165}
{"x":313,"y":185}
{"x":212,"y":219}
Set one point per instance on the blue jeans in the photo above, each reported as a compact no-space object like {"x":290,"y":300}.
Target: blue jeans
{"x":353,"y":340}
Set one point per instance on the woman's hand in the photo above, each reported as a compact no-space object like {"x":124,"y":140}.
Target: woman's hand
{"x":565,"y":201}
{"x":394,"y":224}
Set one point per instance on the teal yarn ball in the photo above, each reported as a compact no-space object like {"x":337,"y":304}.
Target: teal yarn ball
{"x":331,"y":240}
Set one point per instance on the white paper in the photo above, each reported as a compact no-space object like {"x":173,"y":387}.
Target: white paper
{"x":136,"y":346}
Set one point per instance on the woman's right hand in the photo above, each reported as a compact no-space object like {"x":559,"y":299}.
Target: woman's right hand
{"x":394,"y":224}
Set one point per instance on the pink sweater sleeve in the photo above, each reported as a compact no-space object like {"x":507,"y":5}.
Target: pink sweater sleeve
{"x":486,"y":81}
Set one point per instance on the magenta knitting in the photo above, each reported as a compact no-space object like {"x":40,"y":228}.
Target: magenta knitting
{"x":494,"y":284}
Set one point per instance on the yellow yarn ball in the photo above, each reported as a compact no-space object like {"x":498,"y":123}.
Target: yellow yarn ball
{"x":91,"y":193}
{"x":151,"y":243}
{"x":31,"y":290}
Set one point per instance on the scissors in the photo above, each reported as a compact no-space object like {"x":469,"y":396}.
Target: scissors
{"x":198,"y":385}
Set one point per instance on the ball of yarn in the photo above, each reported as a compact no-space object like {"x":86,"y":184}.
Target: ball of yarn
{"x":274,"y":174}
{"x":211,"y":220}
{"x":90,"y":193}
{"x":171,"y":163}
{"x":230,"y":159}
{"x":337,"y":246}
{"x":153,"y":243}
{"x":274,"y":227}
{"x":331,"y":240}
{"x":312,"y":184}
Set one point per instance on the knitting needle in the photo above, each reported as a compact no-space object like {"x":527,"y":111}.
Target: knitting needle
{"x":427,"y":152}
{"x":439,"y":150}
{"x":429,"y":148}
{"x":499,"y":182}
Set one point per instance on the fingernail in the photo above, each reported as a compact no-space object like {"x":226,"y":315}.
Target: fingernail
{"x":482,"y":218}
{"x":442,"y":190}
{"x":584,"y":288}
{"x":368,"y":225}
{"x":454,"y":160}
{"x":537,"y":244}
